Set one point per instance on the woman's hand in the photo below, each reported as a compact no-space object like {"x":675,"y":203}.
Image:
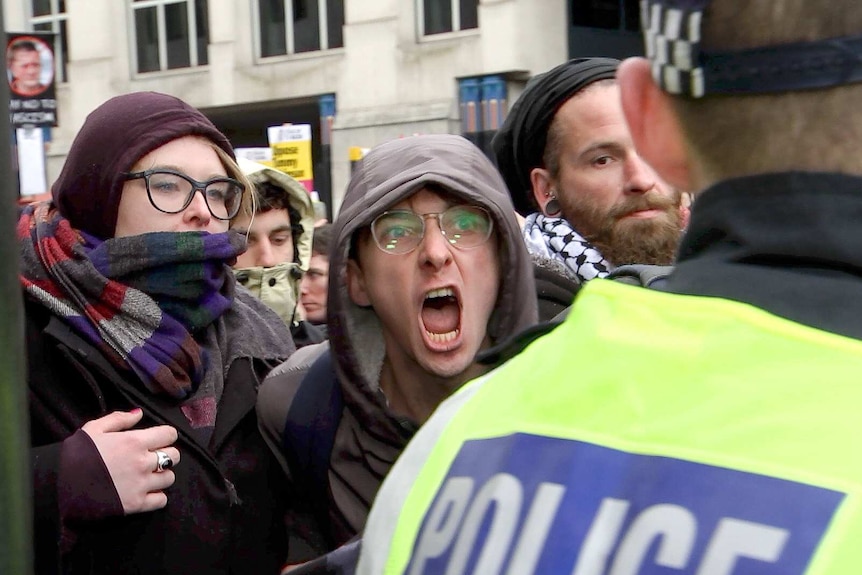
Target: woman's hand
{"x":130,"y":456}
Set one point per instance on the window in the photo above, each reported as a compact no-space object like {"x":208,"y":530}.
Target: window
{"x":607,"y":14}
{"x":295,"y":26}
{"x":170,"y":34}
{"x":441,"y":16}
{"x":50,"y":16}
{"x":483,"y":107}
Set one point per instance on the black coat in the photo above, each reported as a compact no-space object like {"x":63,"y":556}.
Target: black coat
{"x":224,"y":513}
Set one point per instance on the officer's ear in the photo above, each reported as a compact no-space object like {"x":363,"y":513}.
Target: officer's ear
{"x":653,"y":124}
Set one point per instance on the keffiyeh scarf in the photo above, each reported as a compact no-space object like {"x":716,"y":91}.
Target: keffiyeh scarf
{"x":554,"y":238}
{"x":139,"y":299}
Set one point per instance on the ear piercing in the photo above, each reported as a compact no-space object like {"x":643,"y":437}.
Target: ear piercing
{"x":552,"y":207}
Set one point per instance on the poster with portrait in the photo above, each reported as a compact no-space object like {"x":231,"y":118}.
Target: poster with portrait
{"x":30,"y":73}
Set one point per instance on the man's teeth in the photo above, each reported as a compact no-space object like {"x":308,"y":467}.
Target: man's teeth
{"x":442,"y":292}
{"x":443,"y":337}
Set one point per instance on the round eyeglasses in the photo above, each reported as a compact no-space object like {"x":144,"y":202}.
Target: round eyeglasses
{"x":171,"y":192}
{"x":401,"y":231}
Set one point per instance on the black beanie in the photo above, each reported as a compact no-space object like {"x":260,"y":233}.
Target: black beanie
{"x":113,"y":138}
{"x":520,"y":143}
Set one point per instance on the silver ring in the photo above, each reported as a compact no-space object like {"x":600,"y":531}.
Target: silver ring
{"x":163,"y":461}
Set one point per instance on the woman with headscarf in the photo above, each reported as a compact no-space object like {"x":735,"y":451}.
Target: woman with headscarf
{"x":144,"y":359}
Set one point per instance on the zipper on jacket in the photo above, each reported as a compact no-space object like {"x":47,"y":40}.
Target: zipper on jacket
{"x":231,"y":489}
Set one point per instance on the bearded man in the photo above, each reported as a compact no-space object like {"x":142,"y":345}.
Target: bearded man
{"x":568,"y":159}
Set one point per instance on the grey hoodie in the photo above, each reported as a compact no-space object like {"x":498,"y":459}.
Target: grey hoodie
{"x":370,"y":436}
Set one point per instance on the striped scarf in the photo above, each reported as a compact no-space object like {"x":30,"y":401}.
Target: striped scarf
{"x":139,"y":299}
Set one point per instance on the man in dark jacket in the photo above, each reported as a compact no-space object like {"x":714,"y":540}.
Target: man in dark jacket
{"x":427,"y":269}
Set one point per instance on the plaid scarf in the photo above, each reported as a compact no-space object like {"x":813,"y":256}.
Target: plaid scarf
{"x":554,"y":238}
{"x":139,"y":299}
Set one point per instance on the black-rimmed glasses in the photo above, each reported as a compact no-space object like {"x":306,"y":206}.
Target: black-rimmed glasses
{"x":401,"y":231}
{"x":171,"y":192}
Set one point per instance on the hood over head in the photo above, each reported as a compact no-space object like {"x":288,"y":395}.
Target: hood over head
{"x":297,"y":196}
{"x":278,"y":286}
{"x":115,"y":136}
{"x":388,"y":174}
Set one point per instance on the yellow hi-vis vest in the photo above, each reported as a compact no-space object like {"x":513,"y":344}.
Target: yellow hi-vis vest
{"x":649,"y":434}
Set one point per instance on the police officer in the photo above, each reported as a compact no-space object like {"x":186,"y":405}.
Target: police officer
{"x":708,"y":430}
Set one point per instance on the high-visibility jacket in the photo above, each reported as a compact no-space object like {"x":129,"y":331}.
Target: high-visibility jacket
{"x":650,"y":433}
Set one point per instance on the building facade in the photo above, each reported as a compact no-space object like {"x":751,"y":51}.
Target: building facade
{"x":359,"y":71}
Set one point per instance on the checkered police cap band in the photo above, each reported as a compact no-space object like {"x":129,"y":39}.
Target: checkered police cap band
{"x":672,"y":32}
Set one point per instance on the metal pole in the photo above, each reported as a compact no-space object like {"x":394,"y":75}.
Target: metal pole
{"x":16,"y":555}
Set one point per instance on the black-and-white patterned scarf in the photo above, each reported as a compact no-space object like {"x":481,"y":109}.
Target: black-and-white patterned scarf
{"x":554,"y":238}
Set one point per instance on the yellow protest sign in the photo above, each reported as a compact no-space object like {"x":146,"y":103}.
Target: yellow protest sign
{"x":291,"y":151}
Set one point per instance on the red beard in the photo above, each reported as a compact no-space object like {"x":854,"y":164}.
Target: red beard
{"x":624,"y":240}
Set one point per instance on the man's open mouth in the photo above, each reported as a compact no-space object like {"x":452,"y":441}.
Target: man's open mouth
{"x":441,"y":315}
